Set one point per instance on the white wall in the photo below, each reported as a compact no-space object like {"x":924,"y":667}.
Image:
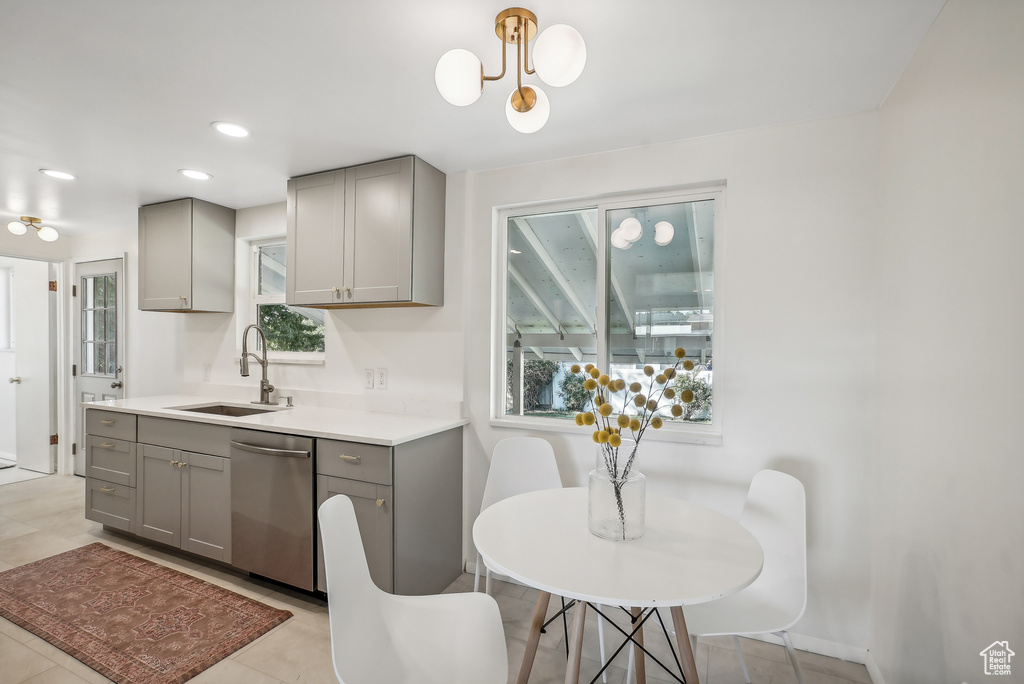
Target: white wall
{"x":8,"y":422}
{"x":947,"y":513}
{"x":798,"y":356}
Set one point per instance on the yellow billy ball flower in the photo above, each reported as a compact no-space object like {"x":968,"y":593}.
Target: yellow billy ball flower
{"x":651,"y":405}
{"x":597,"y":436}
{"x":575,"y":368}
{"x":605,"y":409}
{"x":688,"y":365}
{"x":590,"y":384}
{"x":603,"y":436}
{"x":686,"y":396}
{"x":677,"y":410}
{"x":615,"y":440}
{"x":603,"y":380}
{"x":640,"y":400}
{"x":589,"y":418}
{"x":622,"y":421}
{"x":670,"y":373}
{"x":680,"y":353}
{"x":656,"y":422}
{"x":661,"y":379}
{"x":579,"y":419}
{"x":588,"y":367}
{"x":595,"y":373}
{"x":635,"y":387}
{"x":670,"y":393}
{"x":634,"y":424}
{"x":648,"y":371}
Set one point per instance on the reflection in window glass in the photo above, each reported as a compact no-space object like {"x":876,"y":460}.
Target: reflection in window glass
{"x":287,"y":328}
{"x":659,"y":293}
{"x":99,"y":325}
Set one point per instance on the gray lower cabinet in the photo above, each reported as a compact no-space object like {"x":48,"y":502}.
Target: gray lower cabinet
{"x":408,"y":503}
{"x":110,"y":469}
{"x":185,"y":500}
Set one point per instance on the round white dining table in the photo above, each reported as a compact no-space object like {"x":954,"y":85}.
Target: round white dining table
{"x":688,"y":554}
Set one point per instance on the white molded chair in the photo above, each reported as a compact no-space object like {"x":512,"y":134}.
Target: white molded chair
{"x":775,"y":513}
{"x":518,"y":465}
{"x":379,"y":637}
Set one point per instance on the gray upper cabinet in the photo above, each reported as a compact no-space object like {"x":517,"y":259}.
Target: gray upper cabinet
{"x":186,"y":256}
{"x":370,"y":235}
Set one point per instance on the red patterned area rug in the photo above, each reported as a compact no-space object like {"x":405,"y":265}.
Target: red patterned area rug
{"x":131,"y":620}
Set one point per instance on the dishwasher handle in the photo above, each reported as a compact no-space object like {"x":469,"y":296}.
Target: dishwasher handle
{"x":264,"y":451}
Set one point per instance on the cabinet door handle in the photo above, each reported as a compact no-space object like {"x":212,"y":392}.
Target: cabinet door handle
{"x":108,"y":445}
{"x":346,"y":457}
{"x":175,"y":463}
{"x":108,"y":490}
{"x":380,"y":502}
{"x":108,"y":422}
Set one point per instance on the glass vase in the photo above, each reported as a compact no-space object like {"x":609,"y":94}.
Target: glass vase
{"x":618,"y":495}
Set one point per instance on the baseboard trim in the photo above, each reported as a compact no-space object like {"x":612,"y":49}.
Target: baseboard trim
{"x":873,"y":670}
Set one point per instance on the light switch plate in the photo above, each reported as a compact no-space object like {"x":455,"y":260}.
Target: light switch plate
{"x":382,"y":378}
{"x":369,"y":378}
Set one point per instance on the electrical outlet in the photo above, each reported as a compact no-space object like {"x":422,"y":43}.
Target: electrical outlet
{"x":382,"y":378}
{"x":369,"y":378}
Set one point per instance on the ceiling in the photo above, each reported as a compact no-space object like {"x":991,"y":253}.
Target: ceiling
{"x":121,"y":93}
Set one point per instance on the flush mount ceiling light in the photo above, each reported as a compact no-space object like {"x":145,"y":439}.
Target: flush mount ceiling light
{"x":558,"y":59}
{"x":195,"y":175}
{"x":231,"y":129}
{"x":21,"y":227}
{"x":52,"y":173}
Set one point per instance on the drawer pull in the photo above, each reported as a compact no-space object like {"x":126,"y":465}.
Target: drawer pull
{"x":107,"y":422}
{"x":108,"y":490}
{"x":346,"y":457}
{"x":380,"y":502}
{"x":108,"y":445}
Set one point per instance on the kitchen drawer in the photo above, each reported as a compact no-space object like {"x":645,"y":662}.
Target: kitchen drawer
{"x":110,"y":504}
{"x":203,"y":438}
{"x":110,"y":424}
{"x":355,"y":461}
{"x":110,"y":460}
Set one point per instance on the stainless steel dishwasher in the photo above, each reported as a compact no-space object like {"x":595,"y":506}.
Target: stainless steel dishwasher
{"x":272,"y":506}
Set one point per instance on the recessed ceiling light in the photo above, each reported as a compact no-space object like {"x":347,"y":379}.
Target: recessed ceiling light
{"x":515,"y":251}
{"x":232,"y":129}
{"x":63,"y":175}
{"x":195,"y":175}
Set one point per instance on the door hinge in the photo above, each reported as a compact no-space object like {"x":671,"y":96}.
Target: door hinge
{"x":74,"y":370}
{"x":53,"y":439}
{"x":74,"y":290}
{"x":53,"y":286}
{"x":74,"y":448}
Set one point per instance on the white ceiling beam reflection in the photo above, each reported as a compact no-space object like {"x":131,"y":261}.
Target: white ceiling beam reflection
{"x":560,"y":280}
{"x":695,"y":251}
{"x":590,"y":231}
{"x":535,"y":299}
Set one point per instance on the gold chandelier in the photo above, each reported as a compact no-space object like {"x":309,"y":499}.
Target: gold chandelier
{"x":21,"y":227}
{"x":559,"y":56}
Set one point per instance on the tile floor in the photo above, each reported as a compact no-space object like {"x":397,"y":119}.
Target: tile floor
{"x":43,"y":517}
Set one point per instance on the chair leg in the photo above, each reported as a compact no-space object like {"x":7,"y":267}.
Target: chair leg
{"x":792,"y":656}
{"x":743,"y":663}
{"x":629,"y":668}
{"x":476,"y":574}
{"x":487,"y":581}
{"x":600,"y":641}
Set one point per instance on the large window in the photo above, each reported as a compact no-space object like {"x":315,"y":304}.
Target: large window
{"x":620,"y":284}
{"x":293,"y":333}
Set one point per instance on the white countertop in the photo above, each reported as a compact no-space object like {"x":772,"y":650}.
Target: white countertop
{"x":368,"y":427}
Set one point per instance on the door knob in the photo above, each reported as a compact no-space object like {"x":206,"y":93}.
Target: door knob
{"x":16,"y":381}
{"x":380,"y":502}
{"x":117,"y":384}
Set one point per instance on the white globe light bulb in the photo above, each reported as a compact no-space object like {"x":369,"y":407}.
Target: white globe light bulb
{"x":559,"y":55}
{"x":16,"y":227}
{"x":663,"y":233}
{"x":458,"y":77}
{"x":47,"y":233}
{"x":532,"y":120}
{"x":632,"y":229}
{"x":618,"y":241}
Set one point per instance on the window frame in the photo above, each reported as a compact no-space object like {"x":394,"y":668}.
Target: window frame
{"x":697,"y":433}
{"x":256,"y":299}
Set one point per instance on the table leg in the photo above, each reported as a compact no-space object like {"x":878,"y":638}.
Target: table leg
{"x":685,"y":650}
{"x":638,"y":654}
{"x":572,"y":667}
{"x":539,"y":613}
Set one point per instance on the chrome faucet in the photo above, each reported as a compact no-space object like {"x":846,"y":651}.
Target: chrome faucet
{"x":265,"y":387}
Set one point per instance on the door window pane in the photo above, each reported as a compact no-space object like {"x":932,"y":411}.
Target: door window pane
{"x":99,"y":325}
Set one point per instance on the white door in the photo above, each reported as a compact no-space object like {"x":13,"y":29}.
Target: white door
{"x":99,"y":347}
{"x":31,"y":338}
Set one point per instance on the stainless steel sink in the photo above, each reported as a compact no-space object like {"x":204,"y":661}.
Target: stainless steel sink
{"x":226,"y":410}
